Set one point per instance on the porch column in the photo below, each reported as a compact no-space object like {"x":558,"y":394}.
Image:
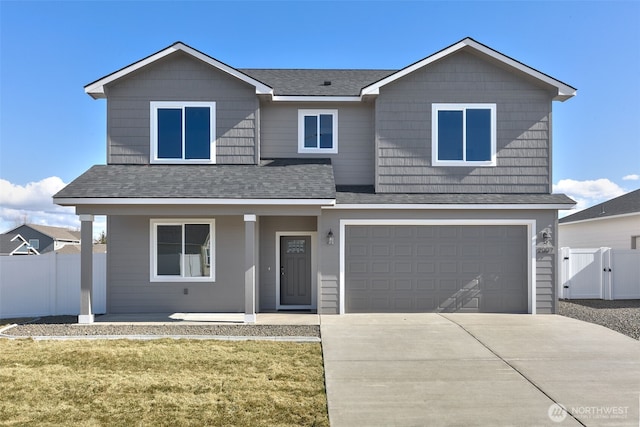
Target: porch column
{"x":249,"y":268}
{"x":86,"y":268}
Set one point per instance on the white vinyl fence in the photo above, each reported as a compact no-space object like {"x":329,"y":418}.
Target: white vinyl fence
{"x":48,"y":285}
{"x":599,"y":273}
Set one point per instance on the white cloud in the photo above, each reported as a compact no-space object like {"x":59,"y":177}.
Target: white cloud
{"x":588,"y":193}
{"x":631,"y":177}
{"x":33,"y":203}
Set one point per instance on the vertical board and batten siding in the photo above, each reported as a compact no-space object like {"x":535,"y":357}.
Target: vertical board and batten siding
{"x":131,"y":291}
{"x":48,"y":285}
{"x":354,"y":162}
{"x":179,"y":77}
{"x":329,"y":261}
{"x":403,"y":130}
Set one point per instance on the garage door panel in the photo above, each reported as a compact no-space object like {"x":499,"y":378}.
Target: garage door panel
{"x":380,"y":250}
{"x":402,"y":250}
{"x":436,"y":268}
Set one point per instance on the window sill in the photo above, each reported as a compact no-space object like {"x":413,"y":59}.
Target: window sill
{"x":455,"y":163}
{"x":317,"y":151}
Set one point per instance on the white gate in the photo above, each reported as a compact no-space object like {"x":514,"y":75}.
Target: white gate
{"x":599,"y":273}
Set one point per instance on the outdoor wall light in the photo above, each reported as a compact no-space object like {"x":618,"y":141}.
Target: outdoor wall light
{"x":546,"y":238}
{"x":330,"y":238}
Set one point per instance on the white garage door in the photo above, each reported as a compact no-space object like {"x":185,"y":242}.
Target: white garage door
{"x":428,"y":268}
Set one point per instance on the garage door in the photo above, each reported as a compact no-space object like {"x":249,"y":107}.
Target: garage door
{"x":436,"y":269}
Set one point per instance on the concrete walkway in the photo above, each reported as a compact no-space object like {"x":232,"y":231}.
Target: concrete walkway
{"x":483,"y":370}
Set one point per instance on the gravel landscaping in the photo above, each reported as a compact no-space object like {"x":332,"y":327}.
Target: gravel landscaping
{"x":621,"y":315}
{"x":68,"y":326}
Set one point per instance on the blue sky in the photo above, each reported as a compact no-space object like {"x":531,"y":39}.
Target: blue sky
{"x":51,"y":131}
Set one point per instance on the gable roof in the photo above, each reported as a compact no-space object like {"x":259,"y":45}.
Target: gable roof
{"x":56,"y":233}
{"x":11,"y":244}
{"x":302,"y":181}
{"x":564,"y":90}
{"x":96,"y":88}
{"x":345,"y":84}
{"x":626,"y":204}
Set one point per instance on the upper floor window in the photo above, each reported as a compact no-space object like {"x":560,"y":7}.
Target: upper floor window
{"x":34,"y":243}
{"x":317,"y":131}
{"x":463,"y":134}
{"x":183,"y":132}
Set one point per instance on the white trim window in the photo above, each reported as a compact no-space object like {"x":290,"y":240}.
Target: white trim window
{"x":463,"y":134}
{"x":318,"y":131}
{"x":182,"y":250}
{"x":183,"y":132}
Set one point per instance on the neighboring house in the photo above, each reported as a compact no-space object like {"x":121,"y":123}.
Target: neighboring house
{"x":45,"y":238}
{"x":337,"y":191}
{"x":613,"y":224}
{"x":98,"y":248}
{"x":15,"y":244}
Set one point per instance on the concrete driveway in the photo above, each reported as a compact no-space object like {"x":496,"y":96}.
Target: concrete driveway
{"x":484,"y":369}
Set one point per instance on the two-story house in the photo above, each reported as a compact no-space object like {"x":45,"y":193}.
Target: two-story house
{"x":423,"y":189}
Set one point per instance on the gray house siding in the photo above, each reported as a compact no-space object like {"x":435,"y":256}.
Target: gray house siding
{"x":329,"y":260}
{"x":46,"y":243}
{"x":181,"y":78}
{"x":129,"y":289}
{"x":403,"y":130}
{"x":268,"y":269}
{"x":354,"y":163}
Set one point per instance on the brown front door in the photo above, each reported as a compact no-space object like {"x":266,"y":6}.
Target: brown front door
{"x":295,"y":270}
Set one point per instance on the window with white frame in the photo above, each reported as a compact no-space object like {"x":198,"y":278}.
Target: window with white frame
{"x":34,"y":243}
{"x":182,"y":250}
{"x":463,"y":134}
{"x":318,"y":131}
{"x":183,"y":132}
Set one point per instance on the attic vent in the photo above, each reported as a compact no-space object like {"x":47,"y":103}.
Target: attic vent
{"x":327,"y":83}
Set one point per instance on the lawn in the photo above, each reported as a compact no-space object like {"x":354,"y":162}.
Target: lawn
{"x":161,"y":382}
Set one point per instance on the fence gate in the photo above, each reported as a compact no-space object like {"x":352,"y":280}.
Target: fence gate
{"x":599,"y":273}
{"x":582,"y":276}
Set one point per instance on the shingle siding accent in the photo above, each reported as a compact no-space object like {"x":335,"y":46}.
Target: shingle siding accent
{"x":403,"y":130}
{"x":180,"y":78}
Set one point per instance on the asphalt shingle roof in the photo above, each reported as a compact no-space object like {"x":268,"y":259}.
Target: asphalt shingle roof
{"x":272,"y":179}
{"x":311,"y":82}
{"x":625,"y":204}
{"x":366,"y":195}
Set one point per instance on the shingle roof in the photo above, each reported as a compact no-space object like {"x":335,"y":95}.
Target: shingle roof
{"x":272,"y":179}
{"x":312,"y":82}
{"x":625,"y":204}
{"x":366,"y":195}
{"x":98,"y":248}
{"x":56,"y":233}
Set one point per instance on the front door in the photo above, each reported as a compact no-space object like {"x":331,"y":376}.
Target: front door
{"x":295,"y":270}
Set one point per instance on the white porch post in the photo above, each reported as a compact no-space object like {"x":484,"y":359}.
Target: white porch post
{"x":86,"y":269}
{"x":250,"y":268}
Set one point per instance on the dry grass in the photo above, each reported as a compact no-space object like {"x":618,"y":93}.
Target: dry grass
{"x":161,"y":382}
